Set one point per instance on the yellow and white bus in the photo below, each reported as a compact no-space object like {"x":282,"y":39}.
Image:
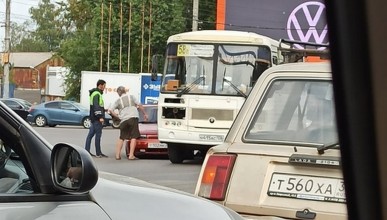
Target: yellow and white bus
{"x":206,"y":79}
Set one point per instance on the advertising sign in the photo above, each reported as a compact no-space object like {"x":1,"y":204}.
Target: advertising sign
{"x":149,"y":89}
{"x":295,"y":20}
{"x":131,"y":82}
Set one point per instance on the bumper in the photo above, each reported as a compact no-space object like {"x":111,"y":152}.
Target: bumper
{"x":197,"y":138}
{"x":149,"y":147}
{"x":30,"y":118}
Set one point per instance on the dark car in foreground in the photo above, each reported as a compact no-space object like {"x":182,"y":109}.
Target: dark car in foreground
{"x":61,"y":112}
{"x":41,"y":181}
{"x":20,"y":106}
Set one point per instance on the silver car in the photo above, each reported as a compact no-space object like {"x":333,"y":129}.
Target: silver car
{"x":40,"y":181}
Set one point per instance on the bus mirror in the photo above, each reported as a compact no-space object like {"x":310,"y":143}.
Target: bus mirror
{"x":154,"y":68}
{"x":275,"y":60}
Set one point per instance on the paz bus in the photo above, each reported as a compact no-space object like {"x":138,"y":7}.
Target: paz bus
{"x":207,"y":76}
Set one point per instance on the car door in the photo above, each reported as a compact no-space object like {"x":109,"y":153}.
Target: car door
{"x":26,"y":186}
{"x":70,"y":114}
{"x":53,"y":112}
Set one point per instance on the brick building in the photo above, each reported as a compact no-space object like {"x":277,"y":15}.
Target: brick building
{"x":28,"y":74}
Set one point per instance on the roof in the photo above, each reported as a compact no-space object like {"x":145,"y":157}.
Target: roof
{"x":222,"y":36}
{"x":321,"y":67}
{"x":27,"y":59}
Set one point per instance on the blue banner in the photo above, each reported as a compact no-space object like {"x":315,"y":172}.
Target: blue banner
{"x":150,"y":90}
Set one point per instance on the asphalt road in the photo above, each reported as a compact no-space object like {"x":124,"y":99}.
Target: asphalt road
{"x":158,"y":171}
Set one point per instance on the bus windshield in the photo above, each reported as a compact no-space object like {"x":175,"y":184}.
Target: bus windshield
{"x":216,"y":69}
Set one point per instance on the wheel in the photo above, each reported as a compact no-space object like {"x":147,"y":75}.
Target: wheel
{"x":116,"y":123}
{"x":86,"y":122}
{"x":175,"y":154}
{"x":40,"y":121}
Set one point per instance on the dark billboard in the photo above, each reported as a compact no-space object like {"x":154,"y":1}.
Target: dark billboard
{"x":289,"y":19}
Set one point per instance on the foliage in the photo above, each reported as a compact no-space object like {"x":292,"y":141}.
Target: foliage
{"x":23,"y":41}
{"x":49,"y":28}
{"x":80,"y":31}
{"x":78,"y":57}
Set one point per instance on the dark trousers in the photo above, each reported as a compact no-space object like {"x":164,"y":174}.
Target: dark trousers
{"x":95,"y":129}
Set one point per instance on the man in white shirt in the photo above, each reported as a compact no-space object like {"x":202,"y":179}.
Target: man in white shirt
{"x":127,"y":106}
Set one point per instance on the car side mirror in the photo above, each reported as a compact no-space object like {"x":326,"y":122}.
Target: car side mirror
{"x":72,"y":169}
{"x":155,"y":63}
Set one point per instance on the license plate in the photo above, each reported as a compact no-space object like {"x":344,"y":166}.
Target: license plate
{"x":207,"y":137}
{"x":307,"y":187}
{"x":157,"y":145}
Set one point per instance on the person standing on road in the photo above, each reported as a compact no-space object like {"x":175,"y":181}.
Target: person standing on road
{"x":128,"y":107}
{"x":97,"y":117}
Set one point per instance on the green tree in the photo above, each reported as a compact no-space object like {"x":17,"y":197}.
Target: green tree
{"x":81,"y":51}
{"x":78,"y":57}
{"x":167,"y":18}
{"x":23,"y":41}
{"x":49,"y":27}
{"x":73,"y":29}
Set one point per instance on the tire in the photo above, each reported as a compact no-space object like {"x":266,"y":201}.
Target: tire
{"x":116,"y":123}
{"x":176,"y":155}
{"x":86,"y":122}
{"x":40,"y":121}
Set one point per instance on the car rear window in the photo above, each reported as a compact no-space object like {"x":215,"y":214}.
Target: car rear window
{"x":151,"y":111}
{"x":295,"y":111}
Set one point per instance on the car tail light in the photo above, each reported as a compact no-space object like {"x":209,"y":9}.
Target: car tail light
{"x":141,"y":143}
{"x":216,"y":176}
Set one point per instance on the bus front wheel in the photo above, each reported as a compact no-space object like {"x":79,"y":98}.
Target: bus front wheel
{"x":175,"y":153}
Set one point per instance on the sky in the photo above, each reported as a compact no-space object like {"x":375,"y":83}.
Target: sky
{"x":19,"y":14}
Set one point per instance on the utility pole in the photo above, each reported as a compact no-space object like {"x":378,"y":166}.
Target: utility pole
{"x":7,"y":49}
{"x":195,"y":15}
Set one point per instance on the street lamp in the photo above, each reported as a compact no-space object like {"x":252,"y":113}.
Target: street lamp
{"x":39,"y":87}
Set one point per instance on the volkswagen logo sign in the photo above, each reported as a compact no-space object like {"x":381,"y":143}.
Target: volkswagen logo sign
{"x":307,"y":23}
{"x":211,"y":120}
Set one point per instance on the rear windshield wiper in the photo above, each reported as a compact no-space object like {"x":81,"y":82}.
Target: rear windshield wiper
{"x":321,"y":149}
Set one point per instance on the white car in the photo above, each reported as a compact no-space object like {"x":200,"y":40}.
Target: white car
{"x":40,"y":181}
{"x":281,"y":157}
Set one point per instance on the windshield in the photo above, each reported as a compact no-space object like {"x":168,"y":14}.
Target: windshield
{"x":214,"y":69}
{"x":25,"y":103}
{"x":295,"y":111}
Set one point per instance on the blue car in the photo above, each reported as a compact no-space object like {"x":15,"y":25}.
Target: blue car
{"x":61,"y":112}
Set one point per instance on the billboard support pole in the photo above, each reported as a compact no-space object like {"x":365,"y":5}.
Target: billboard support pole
{"x":195,"y":15}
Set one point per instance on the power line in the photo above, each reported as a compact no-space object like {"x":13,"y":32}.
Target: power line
{"x":23,"y":3}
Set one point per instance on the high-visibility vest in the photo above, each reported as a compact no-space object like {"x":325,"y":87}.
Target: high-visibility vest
{"x":100,"y":98}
